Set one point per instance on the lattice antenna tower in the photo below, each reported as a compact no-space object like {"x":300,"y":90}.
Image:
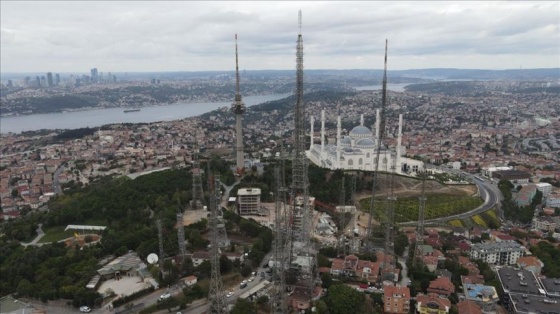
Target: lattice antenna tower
{"x":389,"y":264}
{"x":217,"y":302}
{"x":342,"y":204}
{"x":278,"y":303}
{"x":299,"y":165}
{"x":368,"y":243}
{"x":419,"y":249}
{"x":238,"y":108}
{"x":160,"y":238}
{"x":197,"y":193}
{"x":181,"y":231}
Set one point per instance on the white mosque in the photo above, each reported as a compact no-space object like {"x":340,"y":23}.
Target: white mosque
{"x":358,"y":150}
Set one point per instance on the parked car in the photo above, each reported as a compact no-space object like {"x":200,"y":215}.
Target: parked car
{"x":229,"y":294}
{"x":85,"y":309}
{"x":164,"y":296}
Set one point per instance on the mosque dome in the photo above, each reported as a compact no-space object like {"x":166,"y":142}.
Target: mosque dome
{"x":345,"y":141}
{"x":365,"y":142}
{"x":360,"y":132}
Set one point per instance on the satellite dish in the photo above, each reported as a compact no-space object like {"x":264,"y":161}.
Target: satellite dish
{"x":152,"y":258}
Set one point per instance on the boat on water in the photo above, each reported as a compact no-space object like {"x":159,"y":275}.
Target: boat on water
{"x":131,"y":110}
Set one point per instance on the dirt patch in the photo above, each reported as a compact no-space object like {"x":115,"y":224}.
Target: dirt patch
{"x":192,"y":216}
{"x":81,"y":239}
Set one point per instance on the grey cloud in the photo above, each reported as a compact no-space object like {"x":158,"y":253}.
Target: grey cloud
{"x":191,"y":35}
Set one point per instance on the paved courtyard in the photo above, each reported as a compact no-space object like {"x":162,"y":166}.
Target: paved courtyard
{"x":125,"y":286}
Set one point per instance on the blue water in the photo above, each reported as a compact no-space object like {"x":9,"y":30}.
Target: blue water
{"x":99,"y":117}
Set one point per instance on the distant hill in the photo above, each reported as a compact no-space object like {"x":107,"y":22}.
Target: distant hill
{"x":435,"y":73}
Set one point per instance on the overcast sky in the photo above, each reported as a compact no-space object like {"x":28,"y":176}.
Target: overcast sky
{"x":64,"y":36}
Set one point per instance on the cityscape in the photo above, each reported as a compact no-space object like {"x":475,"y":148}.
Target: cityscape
{"x":322,"y":190}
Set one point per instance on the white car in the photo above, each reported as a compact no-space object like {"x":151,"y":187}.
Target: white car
{"x":251,"y":279}
{"x":164,"y":296}
{"x":229,"y":294}
{"x":244,"y":282}
{"x":85,"y":309}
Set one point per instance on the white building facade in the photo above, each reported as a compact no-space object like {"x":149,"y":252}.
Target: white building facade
{"x":498,"y":253}
{"x":358,"y":150}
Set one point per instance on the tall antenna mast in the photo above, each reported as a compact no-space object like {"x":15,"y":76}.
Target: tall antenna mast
{"x":368,"y":243}
{"x":238,"y":108}
{"x":216,"y":298}
{"x":197,"y":194}
{"x":419,"y":249}
{"x":389,"y":264}
{"x":300,"y":180}
{"x":278,"y":301}
{"x":180,"y":231}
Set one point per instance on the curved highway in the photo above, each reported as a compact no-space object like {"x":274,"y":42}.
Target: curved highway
{"x":486,"y":190}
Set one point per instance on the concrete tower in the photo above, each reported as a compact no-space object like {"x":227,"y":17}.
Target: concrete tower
{"x":238,"y":108}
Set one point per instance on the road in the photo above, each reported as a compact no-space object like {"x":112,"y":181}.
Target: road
{"x":40,"y":235}
{"x":487,"y":191}
{"x":404,"y":272}
{"x":56,"y":185}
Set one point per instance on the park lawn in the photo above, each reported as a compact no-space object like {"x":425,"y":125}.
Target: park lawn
{"x":56,"y":233}
{"x":437,"y":205}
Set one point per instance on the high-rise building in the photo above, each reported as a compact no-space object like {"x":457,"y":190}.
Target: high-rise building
{"x":94,"y":75}
{"x":57,"y":79}
{"x":50,"y":80}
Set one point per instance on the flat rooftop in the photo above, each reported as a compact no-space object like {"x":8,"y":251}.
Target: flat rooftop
{"x":519,"y":281}
{"x":552,"y":287}
{"x":534,"y":304}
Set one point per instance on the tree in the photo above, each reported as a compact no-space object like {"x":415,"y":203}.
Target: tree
{"x":243,"y":306}
{"x":326,"y":280}
{"x":341,"y":299}
{"x":225,"y":264}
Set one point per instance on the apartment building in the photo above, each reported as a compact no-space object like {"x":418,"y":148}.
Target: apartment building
{"x":500,"y":253}
{"x":396,"y":299}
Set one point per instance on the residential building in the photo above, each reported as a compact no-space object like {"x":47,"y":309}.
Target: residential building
{"x":514,"y":176}
{"x":191,"y":280}
{"x":545,"y":188}
{"x":485,"y":296}
{"x":441,"y":286}
{"x":501,"y":253}
{"x":432,"y":304}
{"x":544,"y":223}
{"x":468,"y":307}
{"x":396,"y":299}
{"x":200,"y":256}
